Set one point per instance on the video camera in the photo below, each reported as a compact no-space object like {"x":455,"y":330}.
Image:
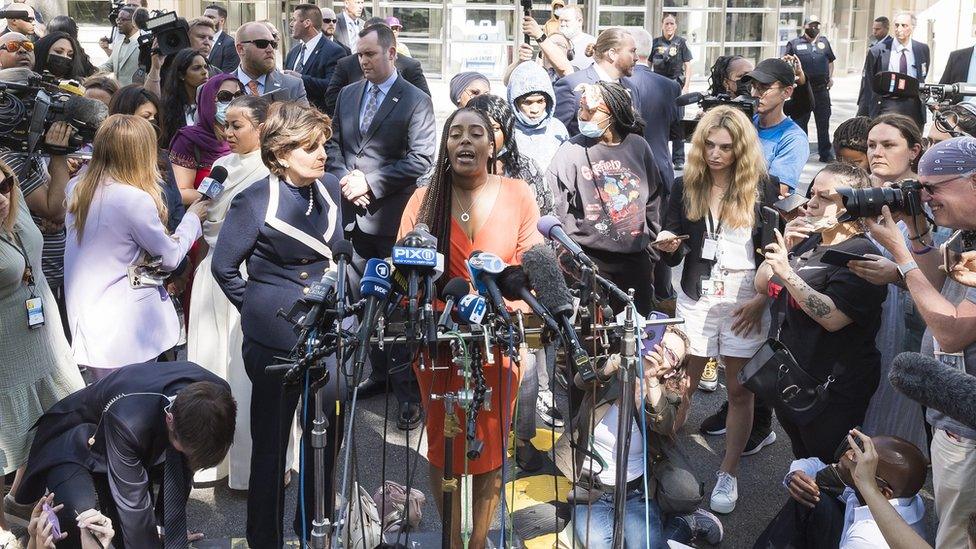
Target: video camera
{"x":113,"y":15}
{"x":27,"y":111}
{"x":901,"y":86}
{"x":745,"y":103}
{"x":904,"y":196}
{"x":168,"y":30}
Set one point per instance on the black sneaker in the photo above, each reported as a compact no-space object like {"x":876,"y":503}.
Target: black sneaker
{"x":529,"y":458}
{"x":715,"y":424}
{"x":759,"y":440}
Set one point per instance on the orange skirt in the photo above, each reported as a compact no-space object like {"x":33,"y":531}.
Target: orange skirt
{"x":492,"y":426}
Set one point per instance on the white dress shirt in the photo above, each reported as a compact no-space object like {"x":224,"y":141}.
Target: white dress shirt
{"x":309,"y":48}
{"x":895,"y":61}
{"x":603,"y":74}
{"x":860,"y":529}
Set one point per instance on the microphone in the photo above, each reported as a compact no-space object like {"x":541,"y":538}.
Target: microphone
{"x":318,"y":295}
{"x":85,"y":111}
{"x":471,"y":309}
{"x":688,"y":99}
{"x":936,"y":385}
{"x":342,"y":253}
{"x":453,"y":292}
{"x":213,"y":184}
{"x":542,"y":267}
{"x":415,"y":253}
{"x":552,"y":228}
{"x":375,"y":287}
{"x":484,"y":267}
{"x":515,"y":286}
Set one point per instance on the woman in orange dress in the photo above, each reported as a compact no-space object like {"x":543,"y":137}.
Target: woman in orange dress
{"x":468,"y":208}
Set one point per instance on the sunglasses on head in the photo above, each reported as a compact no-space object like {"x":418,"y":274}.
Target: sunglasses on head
{"x":14,"y":45}
{"x":6,"y":184}
{"x":225,"y":96}
{"x":262,"y":43}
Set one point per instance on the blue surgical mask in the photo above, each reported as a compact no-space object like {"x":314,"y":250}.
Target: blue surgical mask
{"x":221,"y":115}
{"x":591,"y":129}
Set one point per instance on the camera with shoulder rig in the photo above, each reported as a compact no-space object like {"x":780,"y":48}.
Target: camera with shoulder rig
{"x":745,"y":103}
{"x":28,"y":110}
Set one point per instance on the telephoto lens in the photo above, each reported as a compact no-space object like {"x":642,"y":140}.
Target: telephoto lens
{"x":903,"y":197}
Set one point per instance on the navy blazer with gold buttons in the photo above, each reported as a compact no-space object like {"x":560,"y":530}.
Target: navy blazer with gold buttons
{"x":285,"y":252}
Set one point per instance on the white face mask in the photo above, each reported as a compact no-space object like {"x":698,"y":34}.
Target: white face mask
{"x":821,"y":223}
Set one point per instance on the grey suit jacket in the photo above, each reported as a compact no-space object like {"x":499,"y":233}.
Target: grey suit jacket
{"x":124,"y":62}
{"x":282,"y":87}
{"x":391,"y":159}
{"x":223,"y":55}
{"x":342,"y":34}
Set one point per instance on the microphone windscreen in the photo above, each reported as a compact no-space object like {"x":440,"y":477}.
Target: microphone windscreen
{"x":511,"y":281}
{"x":89,"y":112}
{"x":376,"y":279}
{"x":218,"y":174}
{"x":341,"y":248}
{"x":688,"y":99}
{"x":455,"y":288}
{"x":542,"y":268}
{"x":139,"y":17}
{"x":472,"y":308}
{"x":546,"y":224}
{"x":936,"y":385}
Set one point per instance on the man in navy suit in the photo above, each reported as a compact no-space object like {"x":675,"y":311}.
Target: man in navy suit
{"x":223,"y":54}
{"x":314,"y":58}
{"x":901,"y":55}
{"x":614,"y":56}
{"x":103,"y":447}
{"x":349,"y":71}
{"x":383,"y":139}
{"x":329,"y":20}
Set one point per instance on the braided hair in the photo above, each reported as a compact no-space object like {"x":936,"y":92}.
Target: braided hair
{"x":514,"y":163}
{"x":435,"y":209}
{"x":626,"y":120}
{"x":852,"y":134}
{"x":720,"y":73}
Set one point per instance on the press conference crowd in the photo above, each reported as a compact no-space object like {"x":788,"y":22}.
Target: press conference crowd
{"x":142,"y":274}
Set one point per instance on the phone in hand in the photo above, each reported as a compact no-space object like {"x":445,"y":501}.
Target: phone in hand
{"x":790,"y":204}
{"x":840,"y":258}
{"x":52,"y":518}
{"x":653,"y":334}
{"x":952,"y":249}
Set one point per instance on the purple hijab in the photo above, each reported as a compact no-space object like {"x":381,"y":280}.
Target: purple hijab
{"x":200,"y":141}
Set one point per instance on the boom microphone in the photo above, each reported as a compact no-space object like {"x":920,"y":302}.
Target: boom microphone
{"x":543,"y":270}
{"x":552,"y":228}
{"x":213,"y":184}
{"x":936,"y":385}
{"x":688,"y":99}
{"x":375,"y":287}
{"x":82,"y":110}
{"x":484,"y":268}
{"x":515,"y":286}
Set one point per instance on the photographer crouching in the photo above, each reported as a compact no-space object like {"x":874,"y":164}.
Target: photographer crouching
{"x":947,"y":184}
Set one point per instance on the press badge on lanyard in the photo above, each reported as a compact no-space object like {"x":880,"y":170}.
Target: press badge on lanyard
{"x":34,"y":305}
{"x":712,"y":285}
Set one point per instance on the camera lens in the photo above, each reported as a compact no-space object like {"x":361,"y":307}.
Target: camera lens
{"x":868,"y":202}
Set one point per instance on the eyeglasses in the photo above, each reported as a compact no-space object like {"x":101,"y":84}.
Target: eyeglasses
{"x":6,"y":184}
{"x":759,"y":90}
{"x":14,"y":45}
{"x":225,"y":96}
{"x":397,"y":28}
{"x":330,"y":20}
{"x":262,"y":43}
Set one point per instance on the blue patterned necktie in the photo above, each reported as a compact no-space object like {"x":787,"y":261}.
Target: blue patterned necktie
{"x":174,"y":500}
{"x":371,"y":105}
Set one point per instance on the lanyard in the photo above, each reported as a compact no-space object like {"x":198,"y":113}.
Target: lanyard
{"x":710,"y":227}
{"x":28,"y":277}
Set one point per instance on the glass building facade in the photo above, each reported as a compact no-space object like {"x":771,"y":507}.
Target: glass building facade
{"x":450,"y":36}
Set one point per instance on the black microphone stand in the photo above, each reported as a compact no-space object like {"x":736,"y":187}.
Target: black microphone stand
{"x":626,"y":374}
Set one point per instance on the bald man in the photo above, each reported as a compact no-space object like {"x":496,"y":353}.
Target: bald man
{"x":329,"y":20}
{"x":256,"y":47}
{"x":826,"y":511}
{"x":22,"y":57}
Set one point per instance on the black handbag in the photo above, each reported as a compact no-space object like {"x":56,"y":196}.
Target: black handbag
{"x":774,"y":376}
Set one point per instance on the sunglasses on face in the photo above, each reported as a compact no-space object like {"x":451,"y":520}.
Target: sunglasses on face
{"x":330,"y":20}
{"x":6,"y":184}
{"x":262,"y":43}
{"x":225,"y":96}
{"x":14,"y":45}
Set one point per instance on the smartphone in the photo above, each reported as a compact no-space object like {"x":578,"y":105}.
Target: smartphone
{"x":770,"y":222}
{"x":952,"y":249}
{"x":653,"y":334}
{"x":840,"y":258}
{"x":52,"y":518}
{"x":679,"y":238}
{"x":790,"y":204}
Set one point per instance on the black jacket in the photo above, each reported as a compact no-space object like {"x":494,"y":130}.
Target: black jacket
{"x":348,"y":71}
{"x":318,"y":68}
{"x":655,"y":94}
{"x":285,"y":251}
{"x":131,"y":439}
{"x":223,"y":55}
{"x":567,"y":99}
{"x":690,"y":251}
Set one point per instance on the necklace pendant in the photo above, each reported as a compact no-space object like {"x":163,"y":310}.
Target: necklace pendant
{"x":465,"y":217}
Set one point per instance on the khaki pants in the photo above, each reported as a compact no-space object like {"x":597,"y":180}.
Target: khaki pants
{"x":954,"y":477}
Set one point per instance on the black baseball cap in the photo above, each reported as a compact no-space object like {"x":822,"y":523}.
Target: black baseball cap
{"x":771,"y":70}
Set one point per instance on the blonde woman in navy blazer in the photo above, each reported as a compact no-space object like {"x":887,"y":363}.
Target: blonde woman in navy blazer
{"x":283,"y":227}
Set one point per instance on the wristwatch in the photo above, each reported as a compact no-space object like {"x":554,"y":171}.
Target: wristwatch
{"x":541,"y":39}
{"x":905,"y":268}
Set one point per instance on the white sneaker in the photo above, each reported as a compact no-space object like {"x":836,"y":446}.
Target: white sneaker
{"x":709,"y":378}
{"x":725,"y":493}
